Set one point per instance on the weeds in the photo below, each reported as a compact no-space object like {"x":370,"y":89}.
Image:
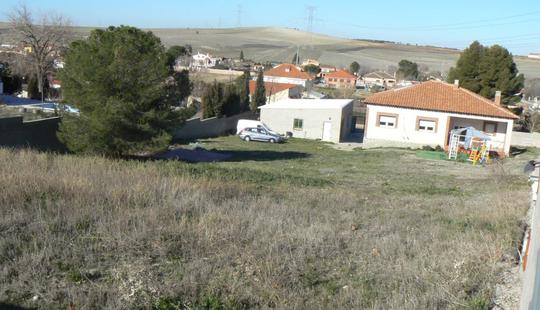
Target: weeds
{"x":384,"y":230}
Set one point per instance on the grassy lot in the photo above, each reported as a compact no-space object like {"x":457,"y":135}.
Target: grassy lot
{"x":211,"y":77}
{"x":296,"y":225}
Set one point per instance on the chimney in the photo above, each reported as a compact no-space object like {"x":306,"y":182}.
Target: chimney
{"x":456,"y":83}
{"x":498,"y":97}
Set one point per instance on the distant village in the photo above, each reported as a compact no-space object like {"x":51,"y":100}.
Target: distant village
{"x":376,"y":102}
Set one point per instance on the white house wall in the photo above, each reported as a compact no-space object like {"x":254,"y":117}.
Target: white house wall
{"x":287,"y":80}
{"x":405,"y":134}
{"x":282,"y":121}
{"x":282,"y":95}
{"x":405,"y":131}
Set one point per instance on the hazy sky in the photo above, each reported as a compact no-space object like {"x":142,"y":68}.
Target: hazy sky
{"x":455,"y":23}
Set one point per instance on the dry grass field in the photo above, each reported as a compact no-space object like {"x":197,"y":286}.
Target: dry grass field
{"x":280,"y":44}
{"x":297,"y":225}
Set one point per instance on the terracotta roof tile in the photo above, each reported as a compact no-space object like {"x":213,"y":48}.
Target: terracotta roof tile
{"x":342,"y":74}
{"x":440,"y":96}
{"x":287,"y":70}
{"x":271,"y":88}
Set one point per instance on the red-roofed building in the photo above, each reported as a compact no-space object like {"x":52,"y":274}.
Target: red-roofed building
{"x":424,"y":114}
{"x":340,"y":79}
{"x":277,"y":91}
{"x":287,"y":74}
{"x":326,"y":69}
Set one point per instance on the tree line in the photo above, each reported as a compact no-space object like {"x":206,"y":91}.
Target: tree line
{"x":225,"y":100}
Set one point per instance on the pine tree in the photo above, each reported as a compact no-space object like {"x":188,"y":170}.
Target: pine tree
{"x":259,"y":96}
{"x":120,"y":112}
{"x":354,"y":67}
{"x":499,"y":72}
{"x":242,"y":55}
{"x":486,"y":70}
{"x":212,"y":100}
{"x":207,"y":103}
{"x":231,"y":101}
{"x":312,"y":69}
{"x":408,"y":70}
{"x":242,"y":85}
{"x":218,"y":99}
{"x":467,"y":69}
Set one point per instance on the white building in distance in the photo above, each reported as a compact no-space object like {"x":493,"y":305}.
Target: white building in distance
{"x":325,"y":119}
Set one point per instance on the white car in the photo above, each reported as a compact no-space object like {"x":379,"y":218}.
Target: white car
{"x":259,"y":134}
{"x":248,"y":123}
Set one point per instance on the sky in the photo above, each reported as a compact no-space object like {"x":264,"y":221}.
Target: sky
{"x":455,"y":23}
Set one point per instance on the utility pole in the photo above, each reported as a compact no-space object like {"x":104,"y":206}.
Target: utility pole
{"x":311,"y":16}
{"x":239,"y":16}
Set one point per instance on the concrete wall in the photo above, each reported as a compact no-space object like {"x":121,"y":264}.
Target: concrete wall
{"x":197,"y":128}
{"x":39,"y":134}
{"x":223,"y":72}
{"x":405,"y":134}
{"x":286,"y":80}
{"x":282,"y":121}
{"x":526,"y":139}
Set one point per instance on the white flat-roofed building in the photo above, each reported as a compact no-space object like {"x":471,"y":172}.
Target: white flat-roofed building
{"x":325,"y":119}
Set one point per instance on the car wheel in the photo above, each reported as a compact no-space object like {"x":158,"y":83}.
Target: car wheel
{"x":272,"y":141}
{"x":247,"y":138}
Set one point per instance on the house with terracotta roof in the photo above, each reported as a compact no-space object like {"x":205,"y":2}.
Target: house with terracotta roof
{"x":277,"y":91}
{"x":325,"y":69}
{"x":379,"y":78}
{"x":288,"y":74}
{"x":424,"y":114}
{"x":340,"y":79}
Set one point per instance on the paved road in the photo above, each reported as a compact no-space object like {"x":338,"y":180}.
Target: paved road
{"x":530,"y":298}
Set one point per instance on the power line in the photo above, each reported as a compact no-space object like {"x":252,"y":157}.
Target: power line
{"x":484,"y":20}
{"x":524,"y":39}
{"x":491,"y":22}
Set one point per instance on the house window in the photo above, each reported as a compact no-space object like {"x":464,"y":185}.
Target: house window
{"x":298,"y":124}
{"x":426,"y":124}
{"x":387,"y":120}
{"x":490,"y":127}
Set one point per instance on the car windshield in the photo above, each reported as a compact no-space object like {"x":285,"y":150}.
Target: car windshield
{"x":265,"y":126}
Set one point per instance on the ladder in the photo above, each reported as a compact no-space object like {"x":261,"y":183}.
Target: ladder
{"x":481,"y":154}
{"x":474,"y":155}
{"x":453,"y":148}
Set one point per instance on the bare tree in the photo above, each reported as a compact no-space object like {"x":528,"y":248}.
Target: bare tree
{"x":43,"y":40}
{"x":530,"y":121}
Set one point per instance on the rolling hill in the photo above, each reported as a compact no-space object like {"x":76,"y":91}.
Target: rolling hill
{"x":280,"y":44}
